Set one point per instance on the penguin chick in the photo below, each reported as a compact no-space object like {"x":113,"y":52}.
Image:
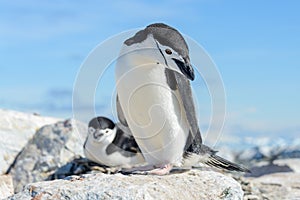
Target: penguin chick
{"x":111,"y":144}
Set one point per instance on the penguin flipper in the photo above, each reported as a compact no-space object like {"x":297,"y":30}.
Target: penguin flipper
{"x":185,"y":92}
{"x":123,"y":143}
{"x":180,"y":84}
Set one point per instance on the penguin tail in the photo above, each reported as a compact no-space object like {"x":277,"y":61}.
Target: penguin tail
{"x":221,"y":163}
{"x":208,"y":156}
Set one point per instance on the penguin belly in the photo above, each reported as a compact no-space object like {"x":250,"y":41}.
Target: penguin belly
{"x":97,"y":153}
{"x":153,"y":111}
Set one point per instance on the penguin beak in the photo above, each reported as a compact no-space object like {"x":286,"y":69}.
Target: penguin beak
{"x":185,"y":68}
{"x":97,"y":135}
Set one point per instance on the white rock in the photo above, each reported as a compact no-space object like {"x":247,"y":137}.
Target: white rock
{"x":6,"y":186}
{"x":15,"y":130}
{"x":279,"y":185}
{"x":50,"y":148}
{"x":193,"y":184}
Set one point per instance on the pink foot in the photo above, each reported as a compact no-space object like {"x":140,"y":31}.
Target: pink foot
{"x":162,"y":170}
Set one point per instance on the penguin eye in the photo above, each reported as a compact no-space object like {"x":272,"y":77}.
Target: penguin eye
{"x":168,"y":51}
{"x":106,"y":131}
{"x":91,"y":130}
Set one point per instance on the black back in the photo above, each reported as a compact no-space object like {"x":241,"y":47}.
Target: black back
{"x":123,"y":143}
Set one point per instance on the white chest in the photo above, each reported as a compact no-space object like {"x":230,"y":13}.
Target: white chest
{"x":153,"y":111}
{"x":97,"y":153}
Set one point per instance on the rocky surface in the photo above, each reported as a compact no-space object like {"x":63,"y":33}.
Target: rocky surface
{"x":55,"y":152}
{"x":6,"y":186}
{"x":15,"y":130}
{"x":272,"y":187}
{"x":50,"y":148}
{"x":193,"y":184}
{"x":81,"y":166}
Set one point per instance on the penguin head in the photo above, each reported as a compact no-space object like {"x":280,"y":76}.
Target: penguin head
{"x":101,"y":129}
{"x":161,"y":44}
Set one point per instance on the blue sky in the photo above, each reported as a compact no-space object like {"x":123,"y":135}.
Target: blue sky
{"x":255,"y":45}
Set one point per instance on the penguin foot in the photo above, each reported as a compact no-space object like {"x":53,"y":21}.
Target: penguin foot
{"x":148,"y":170}
{"x":162,"y":170}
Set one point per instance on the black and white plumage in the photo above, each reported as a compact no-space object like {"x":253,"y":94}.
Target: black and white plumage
{"x":111,"y":144}
{"x":154,"y":99}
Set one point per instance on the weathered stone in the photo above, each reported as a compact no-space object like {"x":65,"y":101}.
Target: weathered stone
{"x":6,"y":186}
{"x":272,"y":186}
{"x":50,"y":148}
{"x":279,"y":185}
{"x":251,"y":197}
{"x":193,"y":184}
{"x":15,"y":130}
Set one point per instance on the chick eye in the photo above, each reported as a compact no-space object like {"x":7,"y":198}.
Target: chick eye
{"x":168,"y":51}
{"x":106,"y":131}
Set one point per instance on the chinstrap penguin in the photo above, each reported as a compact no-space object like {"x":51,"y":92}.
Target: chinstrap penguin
{"x":154,"y":100}
{"x":111,"y":144}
